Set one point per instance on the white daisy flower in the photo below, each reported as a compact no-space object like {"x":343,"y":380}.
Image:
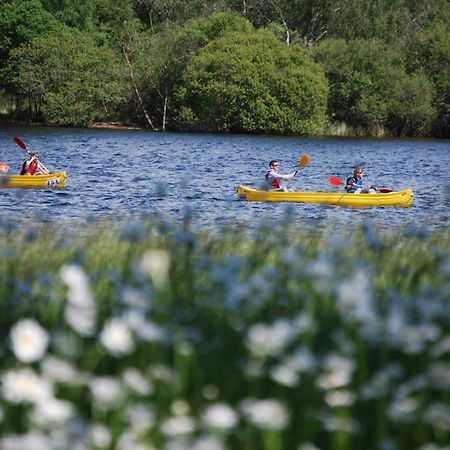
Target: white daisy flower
{"x":80,"y":312}
{"x":156,"y":264}
{"x":338,"y":372}
{"x":100,"y":435}
{"x":29,"y":340}
{"x":25,"y":386}
{"x":140,"y":416}
{"x":30,"y":441}
{"x":59,"y":370}
{"x":134,"y":380}
{"x":285,"y":375}
{"x":106,"y":391}
{"x":340,"y":398}
{"x":264,"y":340}
{"x":220,"y":416}
{"x":52,"y":411}
{"x":178,"y":426}
{"x":269,"y":414}
{"x":117,"y":338}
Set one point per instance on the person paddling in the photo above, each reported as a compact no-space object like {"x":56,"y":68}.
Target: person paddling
{"x":354,"y":184}
{"x":32,"y":166}
{"x":274,"y":179}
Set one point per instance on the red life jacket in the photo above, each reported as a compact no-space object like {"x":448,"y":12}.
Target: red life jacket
{"x":31,"y":170}
{"x":276,"y":184}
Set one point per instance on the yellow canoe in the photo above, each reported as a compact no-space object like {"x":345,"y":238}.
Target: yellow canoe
{"x":400,"y":198}
{"x":51,"y":180}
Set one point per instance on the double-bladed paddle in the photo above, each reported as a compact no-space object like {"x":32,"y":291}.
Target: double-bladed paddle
{"x":22,"y":145}
{"x":337,"y":182}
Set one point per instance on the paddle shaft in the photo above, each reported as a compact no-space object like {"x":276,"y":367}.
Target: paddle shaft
{"x":337,"y":182}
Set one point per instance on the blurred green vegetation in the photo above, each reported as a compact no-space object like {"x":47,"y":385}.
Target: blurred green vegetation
{"x":319,"y":339}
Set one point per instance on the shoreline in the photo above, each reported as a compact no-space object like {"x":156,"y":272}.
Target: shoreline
{"x":331,"y":135}
{"x":116,"y":126}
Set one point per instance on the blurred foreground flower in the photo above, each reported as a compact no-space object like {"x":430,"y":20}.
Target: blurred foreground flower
{"x":338,"y":372}
{"x":178,"y":425}
{"x":117,"y":338}
{"x":106,"y":392}
{"x":156,"y":264}
{"x":29,"y":340}
{"x":220,"y":416}
{"x":264,"y":340}
{"x":52,"y":411}
{"x":269,"y":414}
{"x":25,"y":386}
{"x":81,"y":311}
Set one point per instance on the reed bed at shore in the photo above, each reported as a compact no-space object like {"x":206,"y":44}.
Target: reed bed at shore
{"x":156,"y":336}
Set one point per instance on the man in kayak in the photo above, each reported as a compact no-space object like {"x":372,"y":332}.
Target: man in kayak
{"x":32,"y":166}
{"x":274,"y":179}
{"x":354,"y":184}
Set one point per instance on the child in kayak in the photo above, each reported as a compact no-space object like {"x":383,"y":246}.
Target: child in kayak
{"x":354,"y":184}
{"x":274,"y":179}
{"x":32,"y":166}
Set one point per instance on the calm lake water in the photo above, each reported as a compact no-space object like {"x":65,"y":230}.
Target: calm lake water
{"x":132,"y":174}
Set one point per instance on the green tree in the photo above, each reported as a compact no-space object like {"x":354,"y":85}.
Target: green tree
{"x":369,"y":85}
{"x":67,"y":79}
{"x":429,"y":51}
{"x":157,"y":60}
{"x":20,"y":22}
{"x":252,"y":83}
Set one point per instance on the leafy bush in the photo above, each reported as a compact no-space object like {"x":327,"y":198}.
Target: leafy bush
{"x":254,"y":83}
{"x":67,"y":79}
{"x":370,"y":87}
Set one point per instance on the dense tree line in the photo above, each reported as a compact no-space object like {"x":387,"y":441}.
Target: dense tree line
{"x":378,"y":67}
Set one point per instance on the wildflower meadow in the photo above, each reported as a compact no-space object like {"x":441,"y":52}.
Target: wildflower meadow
{"x":154,"y":336}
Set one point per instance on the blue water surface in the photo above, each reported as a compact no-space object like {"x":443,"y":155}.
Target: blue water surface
{"x":129,"y":174}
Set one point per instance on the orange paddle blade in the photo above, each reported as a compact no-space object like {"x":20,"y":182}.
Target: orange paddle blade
{"x":304,"y":160}
{"x":336,"y":181}
{"x":4,"y":167}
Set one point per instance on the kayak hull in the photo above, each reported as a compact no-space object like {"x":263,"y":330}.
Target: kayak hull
{"x":401,"y":198}
{"x":51,"y":180}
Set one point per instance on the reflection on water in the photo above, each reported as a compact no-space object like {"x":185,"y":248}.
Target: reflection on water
{"x":132,"y":174}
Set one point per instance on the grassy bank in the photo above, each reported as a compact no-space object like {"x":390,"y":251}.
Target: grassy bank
{"x":154,"y":336}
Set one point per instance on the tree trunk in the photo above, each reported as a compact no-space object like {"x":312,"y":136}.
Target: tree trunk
{"x":165,"y":112}
{"x":136,"y":90}
{"x":283,"y":21}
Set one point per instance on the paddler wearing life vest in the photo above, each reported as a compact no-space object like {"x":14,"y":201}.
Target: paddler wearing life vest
{"x":355,"y":185}
{"x":32,"y":166}
{"x":274,"y":179}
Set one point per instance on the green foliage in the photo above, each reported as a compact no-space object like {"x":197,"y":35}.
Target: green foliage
{"x":94,"y":16}
{"x":20,"y":22}
{"x":161,"y":38}
{"x":429,"y":51}
{"x":159,"y":59}
{"x":253,"y":83}
{"x":67,"y":79}
{"x":369,"y":86}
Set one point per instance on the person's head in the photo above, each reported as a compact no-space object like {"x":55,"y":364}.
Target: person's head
{"x":274,"y":164}
{"x":358,"y":172}
{"x":35,"y":155}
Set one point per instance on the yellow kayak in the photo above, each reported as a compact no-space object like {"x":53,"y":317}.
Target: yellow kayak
{"x":400,"y":198}
{"x":51,"y":180}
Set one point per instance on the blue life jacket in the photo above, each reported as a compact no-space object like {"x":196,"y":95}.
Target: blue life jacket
{"x":358,"y":183}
